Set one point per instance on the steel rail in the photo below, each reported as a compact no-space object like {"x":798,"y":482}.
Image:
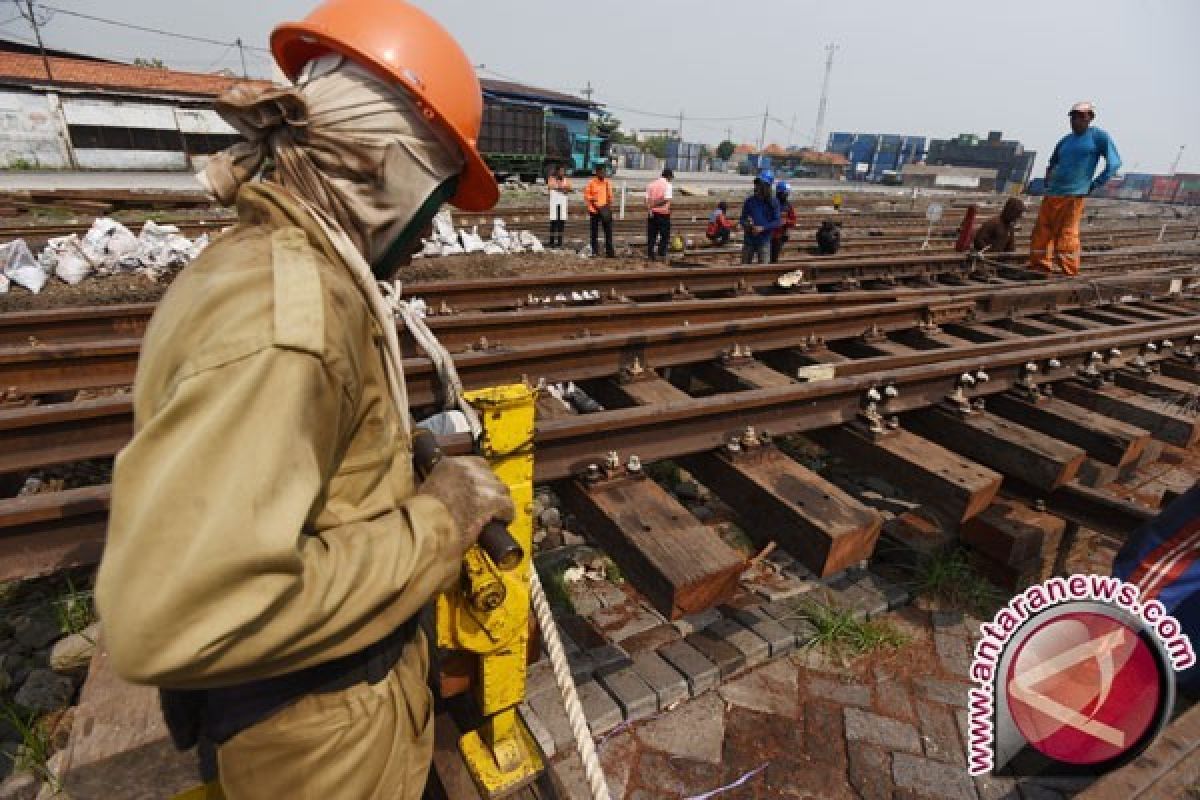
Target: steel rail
{"x":37,"y":436}
{"x":42,"y":533}
{"x":534,"y":344}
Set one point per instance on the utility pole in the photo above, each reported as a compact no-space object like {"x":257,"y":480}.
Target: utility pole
{"x":37,"y":33}
{"x":587,"y":92}
{"x":762,"y":136}
{"x":1178,"y":158}
{"x":242,"y":51}
{"x":729,"y":134}
{"x":680,"y":130}
{"x":791,"y":132}
{"x":819,"y":130}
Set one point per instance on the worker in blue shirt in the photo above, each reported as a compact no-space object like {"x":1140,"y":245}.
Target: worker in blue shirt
{"x":1069,"y":179}
{"x":760,"y":216}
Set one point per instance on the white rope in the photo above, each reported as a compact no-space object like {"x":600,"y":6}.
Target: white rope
{"x":439,"y":356}
{"x":566,"y":686}
{"x":452,"y":388}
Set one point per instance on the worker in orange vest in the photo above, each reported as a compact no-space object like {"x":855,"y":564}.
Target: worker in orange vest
{"x":268,"y":550}
{"x":598,"y":194}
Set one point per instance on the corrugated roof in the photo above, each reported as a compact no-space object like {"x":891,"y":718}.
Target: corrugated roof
{"x":520,"y":89}
{"x":25,"y":69}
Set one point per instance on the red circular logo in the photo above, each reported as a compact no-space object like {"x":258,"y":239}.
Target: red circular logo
{"x":1083,"y":688}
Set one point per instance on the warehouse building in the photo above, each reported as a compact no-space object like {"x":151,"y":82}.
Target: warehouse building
{"x":93,"y":114}
{"x":1011,"y":161}
{"x":870,"y":155}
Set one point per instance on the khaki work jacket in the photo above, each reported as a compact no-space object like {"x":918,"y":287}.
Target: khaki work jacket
{"x":263,"y":516}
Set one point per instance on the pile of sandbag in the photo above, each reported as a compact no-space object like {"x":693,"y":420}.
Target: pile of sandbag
{"x":106,"y":249}
{"x":446,"y":241}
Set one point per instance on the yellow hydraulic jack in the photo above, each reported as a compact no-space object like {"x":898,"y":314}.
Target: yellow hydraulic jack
{"x":489,"y":615}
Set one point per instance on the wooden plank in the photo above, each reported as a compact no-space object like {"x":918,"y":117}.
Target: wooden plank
{"x":1173,"y":424}
{"x":1159,"y":386}
{"x":924,"y":339}
{"x":981,"y":334}
{"x":681,"y":566}
{"x":1108,"y":440}
{"x":813,"y":520}
{"x":1107,"y":316}
{"x":1071,"y":323}
{"x":448,"y":767}
{"x":650,"y":391}
{"x":950,"y":486}
{"x":1027,"y":326}
{"x":1014,"y":534}
{"x":1170,"y":766}
{"x":1182,"y":370}
{"x":1010,"y":449}
{"x":740,"y":375}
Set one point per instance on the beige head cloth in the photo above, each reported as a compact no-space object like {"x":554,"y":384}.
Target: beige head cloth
{"x":344,"y":141}
{"x":356,"y":152}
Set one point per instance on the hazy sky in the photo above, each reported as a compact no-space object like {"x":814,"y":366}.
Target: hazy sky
{"x":923,"y":68}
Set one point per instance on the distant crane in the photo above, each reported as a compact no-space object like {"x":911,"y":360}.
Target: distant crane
{"x":819,"y":131}
{"x":1178,"y":158}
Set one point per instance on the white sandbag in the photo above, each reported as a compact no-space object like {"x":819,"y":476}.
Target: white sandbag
{"x":430,"y":248}
{"x":3,"y":283}
{"x":162,"y":247}
{"x":443,"y":229}
{"x":65,"y":258}
{"x":531,"y":242}
{"x":500,"y":234}
{"x":493,"y":249}
{"x":18,"y":266}
{"x":472,"y":242}
{"x":107,"y":244}
{"x":452,"y":249}
{"x":445,"y":423}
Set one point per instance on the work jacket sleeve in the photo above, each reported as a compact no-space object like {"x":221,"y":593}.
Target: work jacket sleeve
{"x":1112,"y":162}
{"x":214,"y":573}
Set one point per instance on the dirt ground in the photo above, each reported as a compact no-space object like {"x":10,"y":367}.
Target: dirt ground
{"x":133,"y":288}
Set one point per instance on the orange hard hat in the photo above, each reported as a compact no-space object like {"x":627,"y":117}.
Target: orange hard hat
{"x":401,"y":43}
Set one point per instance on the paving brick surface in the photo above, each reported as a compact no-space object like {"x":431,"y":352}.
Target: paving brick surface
{"x":634,"y":696}
{"x":695,"y":622}
{"x":540,"y":732}
{"x":870,"y":771}
{"x":885,"y":732}
{"x":844,"y":693}
{"x":779,"y":639}
{"x":939,"y":732}
{"x":754,"y":648}
{"x":668,"y":684}
{"x":787,"y":616}
{"x":948,"y":692}
{"x":701,"y":673}
{"x":727,"y":657}
{"x":932,"y":778}
{"x":953,"y":652}
{"x":601,"y":710}
{"x":548,"y":708}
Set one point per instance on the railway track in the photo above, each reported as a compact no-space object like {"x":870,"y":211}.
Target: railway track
{"x":736,"y":374}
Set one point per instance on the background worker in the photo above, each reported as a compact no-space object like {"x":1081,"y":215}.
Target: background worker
{"x":598,"y":194}
{"x":1055,"y":241}
{"x":759,"y":219}
{"x":720,"y":228}
{"x":998,"y":234}
{"x":787,"y":220}
{"x":560,"y":186}
{"x":829,"y":238}
{"x":267,"y":549}
{"x":658,"y":220}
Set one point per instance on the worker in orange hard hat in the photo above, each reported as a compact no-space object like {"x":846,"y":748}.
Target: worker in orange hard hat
{"x":267,"y":549}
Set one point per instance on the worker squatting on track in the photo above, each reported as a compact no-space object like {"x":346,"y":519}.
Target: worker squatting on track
{"x":1069,"y":179}
{"x":267,"y":551}
{"x":998,"y":234}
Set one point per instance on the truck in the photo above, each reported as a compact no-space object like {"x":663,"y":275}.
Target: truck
{"x":529,"y":142}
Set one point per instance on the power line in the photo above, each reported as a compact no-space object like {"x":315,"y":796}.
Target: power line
{"x":145,"y":29}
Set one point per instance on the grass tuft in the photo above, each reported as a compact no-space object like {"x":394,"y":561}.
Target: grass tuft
{"x":948,"y":577}
{"x":33,"y":756}
{"x":840,"y":634}
{"x":74,"y":608}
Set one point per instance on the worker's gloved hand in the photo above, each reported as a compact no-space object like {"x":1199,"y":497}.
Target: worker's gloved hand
{"x":472,"y":494}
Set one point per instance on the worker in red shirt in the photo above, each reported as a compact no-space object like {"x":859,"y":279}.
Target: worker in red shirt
{"x":787,"y":220}
{"x":719,"y":228}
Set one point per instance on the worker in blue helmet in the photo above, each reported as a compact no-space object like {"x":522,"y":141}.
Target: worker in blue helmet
{"x":760,"y":217}
{"x":787,"y":219}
